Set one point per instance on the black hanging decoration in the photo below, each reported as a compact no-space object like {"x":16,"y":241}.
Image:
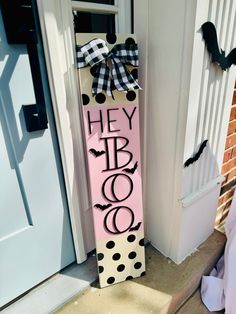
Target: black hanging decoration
{"x":217,"y":55}
{"x":102,"y":207}
{"x":136,"y":227}
{"x":21,"y":22}
{"x":96,"y":153}
{"x":196,"y":156}
{"x":131,"y":170}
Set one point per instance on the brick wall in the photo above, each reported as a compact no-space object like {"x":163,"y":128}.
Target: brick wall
{"x":228,"y":168}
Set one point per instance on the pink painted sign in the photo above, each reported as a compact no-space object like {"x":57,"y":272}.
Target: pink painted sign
{"x":112,"y":136}
{"x":111,"y":127}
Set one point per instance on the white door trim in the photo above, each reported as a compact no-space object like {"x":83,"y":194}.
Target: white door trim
{"x":59,"y":47}
{"x":123,"y":16}
{"x":121,"y":9}
{"x":141,"y":32}
{"x":56,"y":25}
{"x":94,"y":7}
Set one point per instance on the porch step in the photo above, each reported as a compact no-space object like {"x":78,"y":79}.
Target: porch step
{"x":195,"y":306}
{"x":164,"y":289}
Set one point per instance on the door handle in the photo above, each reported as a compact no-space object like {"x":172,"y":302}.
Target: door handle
{"x":35,"y":114}
{"x":20,"y":20}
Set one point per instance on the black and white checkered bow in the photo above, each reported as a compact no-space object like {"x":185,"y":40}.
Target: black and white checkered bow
{"x":97,"y":55}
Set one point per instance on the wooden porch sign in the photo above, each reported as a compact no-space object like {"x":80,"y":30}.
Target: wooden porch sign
{"x":111,"y":127}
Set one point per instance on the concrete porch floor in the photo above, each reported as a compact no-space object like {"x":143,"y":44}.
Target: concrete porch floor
{"x":164,"y":289}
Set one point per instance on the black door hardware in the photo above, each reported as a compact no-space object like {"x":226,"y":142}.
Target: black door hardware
{"x":19,"y":22}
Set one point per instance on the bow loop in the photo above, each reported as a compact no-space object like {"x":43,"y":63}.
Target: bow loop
{"x":92,"y":53}
{"x":96,"y":54}
{"x":122,"y":78}
{"x":127,"y":54}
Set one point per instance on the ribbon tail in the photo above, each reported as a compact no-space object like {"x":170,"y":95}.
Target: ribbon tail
{"x":136,"y":84}
{"x":101,"y":81}
{"x":112,"y":95}
{"x":123,"y":79}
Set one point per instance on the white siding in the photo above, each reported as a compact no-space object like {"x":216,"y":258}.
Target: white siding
{"x":187,"y":100}
{"x":210,"y":96}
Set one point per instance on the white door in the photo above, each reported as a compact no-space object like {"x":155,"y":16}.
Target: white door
{"x":35,"y":232}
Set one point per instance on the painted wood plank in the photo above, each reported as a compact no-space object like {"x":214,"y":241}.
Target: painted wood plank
{"x":111,"y":128}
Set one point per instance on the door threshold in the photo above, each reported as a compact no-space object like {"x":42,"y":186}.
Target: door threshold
{"x":53,"y":293}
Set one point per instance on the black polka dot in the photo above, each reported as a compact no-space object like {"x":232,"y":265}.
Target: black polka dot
{"x":110,"y":244}
{"x":134,"y":73}
{"x":131,"y":95}
{"x":131,"y":238}
{"x":137,"y":265}
{"x":100,"y":256}
{"x":130,"y":41}
{"x":100,"y":98}
{"x":85,"y":99}
{"x":111,"y":38}
{"x":110,"y":280}
{"x":141,"y":242}
{"x":132,"y":255}
{"x":100,"y":269}
{"x":129,"y":277}
{"x":93,"y":70}
{"x":116,"y":257}
{"x":121,"y":267}
{"x":143,"y":273}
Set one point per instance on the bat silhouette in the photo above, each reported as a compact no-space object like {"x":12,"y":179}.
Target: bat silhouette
{"x":102,"y":207}
{"x":197,"y":155}
{"x":96,"y":153}
{"x":217,"y":55}
{"x":135,"y":227}
{"x":131,"y":170}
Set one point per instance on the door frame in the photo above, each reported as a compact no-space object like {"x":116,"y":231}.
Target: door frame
{"x":56,"y":23}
